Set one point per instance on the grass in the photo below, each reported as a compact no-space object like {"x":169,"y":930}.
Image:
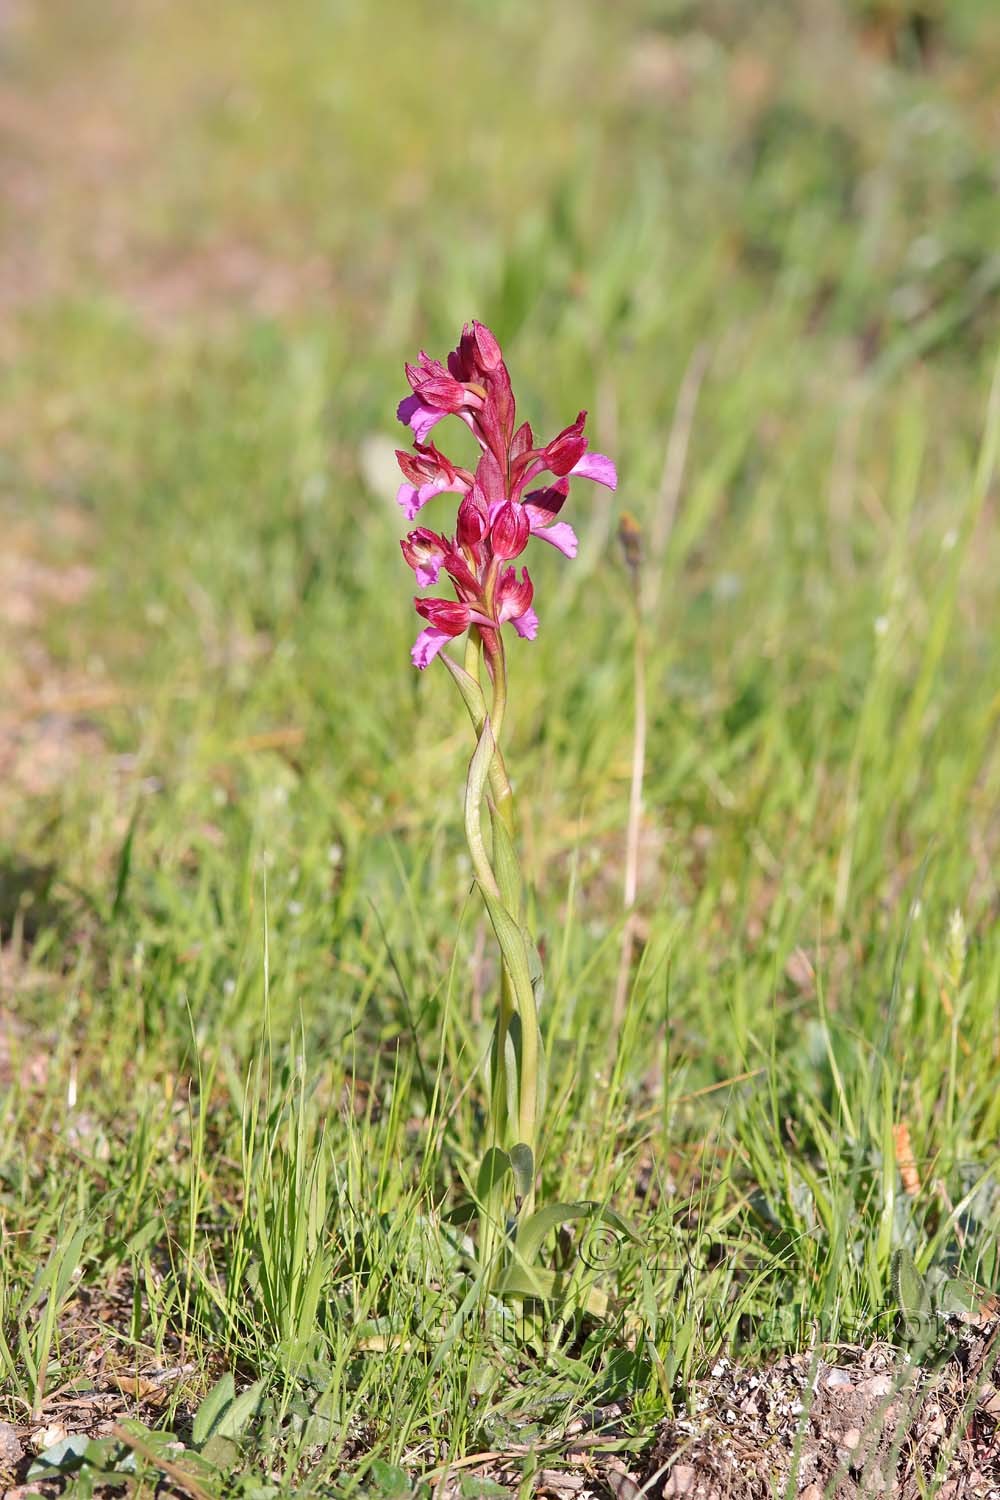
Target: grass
{"x":246,"y":990}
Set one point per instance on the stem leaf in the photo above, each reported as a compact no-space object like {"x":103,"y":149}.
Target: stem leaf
{"x":522,"y":1161}
{"x":505,"y":864}
{"x":532,"y":1232}
{"x":470,"y":690}
{"x":511,"y":939}
{"x":496,"y":1165}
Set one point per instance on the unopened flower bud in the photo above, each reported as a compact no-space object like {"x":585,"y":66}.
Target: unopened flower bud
{"x":510,"y":532}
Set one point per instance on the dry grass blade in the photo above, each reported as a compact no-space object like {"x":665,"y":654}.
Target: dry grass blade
{"x":674,"y":463}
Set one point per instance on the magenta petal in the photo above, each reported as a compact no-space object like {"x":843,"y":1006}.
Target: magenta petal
{"x":427,"y":645}
{"x":536,"y":467}
{"x":427,"y":572}
{"x":411,"y":499}
{"x":441,"y":487}
{"x":596,"y":466}
{"x":423,"y":420}
{"x":419,"y":418}
{"x":526,"y":625}
{"x":468,"y":418}
{"x":561,"y":535}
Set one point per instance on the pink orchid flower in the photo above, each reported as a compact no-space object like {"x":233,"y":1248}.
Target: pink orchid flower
{"x":425,"y":552}
{"x":427,"y":473}
{"x":514,"y":602}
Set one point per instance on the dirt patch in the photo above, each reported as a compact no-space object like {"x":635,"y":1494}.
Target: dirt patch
{"x":62,"y":150}
{"x":228,"y":278}
{"x":870,"y":1424}
{"x":45,"y":727}
{"x":79,"y":146}
{"x":27,"y":586}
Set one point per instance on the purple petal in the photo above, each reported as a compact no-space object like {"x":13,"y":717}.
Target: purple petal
{"x":411,"y":500}
{"x":427,"y":645}
{"x":561,"y":535}
{"x":419,"y":418}
{"x":526,"y":625}
{"x":596,"y":466}
{"x":408,"y":499}
{"x":406,"y":408}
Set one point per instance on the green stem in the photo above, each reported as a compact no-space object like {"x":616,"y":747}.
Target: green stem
{"x":524,"y":996}
{"x":472,"y":692}
{"x":503,"y":794}
{"x":516,"y":992}
{"x":468,"y":681}
{"x":496,"y":658}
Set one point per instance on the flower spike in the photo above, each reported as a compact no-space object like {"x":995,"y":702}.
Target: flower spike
{"x":499,"y":510}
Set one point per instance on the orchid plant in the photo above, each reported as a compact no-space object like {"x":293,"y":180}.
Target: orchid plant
{"x":517,"y":492}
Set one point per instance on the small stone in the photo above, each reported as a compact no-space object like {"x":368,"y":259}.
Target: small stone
{"x":10,"y":1448}
{"x":836,"y":1376}
{"x":935,"y":1423}
{"x":852,"y":1438}
{"x":560,"y":1481}
{"x":876,"y":1386}
{"x":681,"y":1481}
{"x":620,"y":1482}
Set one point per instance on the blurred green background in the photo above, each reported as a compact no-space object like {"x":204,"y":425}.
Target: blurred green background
{"x":763,"y":238}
